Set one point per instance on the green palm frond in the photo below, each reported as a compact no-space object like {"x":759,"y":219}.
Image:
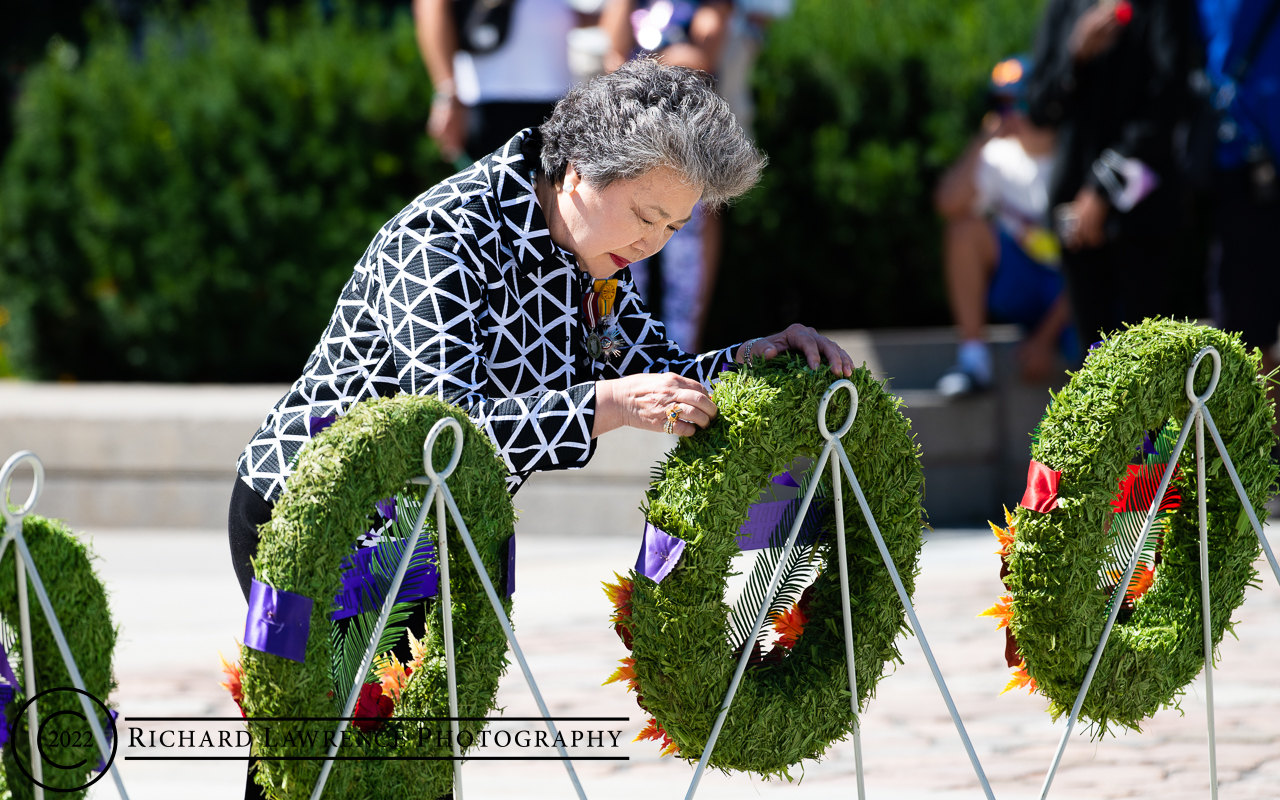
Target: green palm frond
{"x":797,"y":573}
{"x":349,"y":647}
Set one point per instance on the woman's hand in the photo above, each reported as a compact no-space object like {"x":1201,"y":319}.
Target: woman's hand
{"x":805,"y":340}
{"x":642,"y":401}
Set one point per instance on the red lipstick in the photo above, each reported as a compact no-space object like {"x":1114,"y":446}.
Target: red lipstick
{"x":619,"y":261}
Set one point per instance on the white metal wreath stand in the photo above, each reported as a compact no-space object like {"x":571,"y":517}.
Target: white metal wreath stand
{"x":1199,"y":414}
{"x":833,"y":444}
{"x":25,"y":566}
{"x":437,"y":488}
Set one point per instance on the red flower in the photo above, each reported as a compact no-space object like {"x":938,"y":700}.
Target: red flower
{"x":374,"y":706}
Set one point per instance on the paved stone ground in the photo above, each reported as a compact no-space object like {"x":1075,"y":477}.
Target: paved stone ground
{"x":177,"y":604}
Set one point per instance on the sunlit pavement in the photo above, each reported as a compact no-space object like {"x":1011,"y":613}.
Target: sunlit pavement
{"x":178,"y":605}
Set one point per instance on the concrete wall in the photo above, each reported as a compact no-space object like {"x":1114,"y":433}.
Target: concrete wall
{"x":145,"y":455}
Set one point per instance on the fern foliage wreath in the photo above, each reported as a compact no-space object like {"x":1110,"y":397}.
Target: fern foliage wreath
{"x":80,"y":602}
{"x":1132,"y":384}
{"x":793,"y":707}
{"x":371,"y":453}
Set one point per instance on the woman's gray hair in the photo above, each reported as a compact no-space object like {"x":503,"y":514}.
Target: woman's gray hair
{"x":647,"y":115}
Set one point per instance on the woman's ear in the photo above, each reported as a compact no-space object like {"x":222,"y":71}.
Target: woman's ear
{"x":571,"y":179}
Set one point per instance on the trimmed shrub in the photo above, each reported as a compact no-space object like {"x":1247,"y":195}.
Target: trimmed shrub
{"x":190,"y":213}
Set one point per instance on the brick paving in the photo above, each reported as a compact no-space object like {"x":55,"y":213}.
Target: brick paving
{"x":177,"y":604}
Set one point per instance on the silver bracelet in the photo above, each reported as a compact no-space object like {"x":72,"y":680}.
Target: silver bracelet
{"x":747,"y":359}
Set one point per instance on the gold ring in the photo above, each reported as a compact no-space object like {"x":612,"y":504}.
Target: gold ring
{"x":673,"y":416}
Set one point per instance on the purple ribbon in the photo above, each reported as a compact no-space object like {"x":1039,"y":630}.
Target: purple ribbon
{"x":659,"y":553}
{"x":279,"y":622}
{"x":511,"y":566}
{"x":363,"y":591}
{"x":387,"y":509}
{"x":1148,"y":447}
{"x":5,"y":669}
{"x":786,"y":479}
{"x":763,"y":520}
{"x":6,"y":697}
{"x":317,"y":424}
{"x":107,"y":728}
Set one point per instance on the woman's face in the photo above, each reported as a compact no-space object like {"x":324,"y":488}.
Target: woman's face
{"x":626,"y":221}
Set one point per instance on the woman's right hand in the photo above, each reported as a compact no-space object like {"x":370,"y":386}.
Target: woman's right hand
{"x":642,"y":401}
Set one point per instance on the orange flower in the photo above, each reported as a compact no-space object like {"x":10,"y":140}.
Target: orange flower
{"x":1004,"y":535}
{"x":1002,"y":611}
{"x":626,"y":672}
{"x":653,"y":731}
{"x":790,"y":624}
{"x":620,"y":595}
{"x":391,"y":674}
{"x":1143,"y":577}
{"x":1020,"y":679}
{"x":234,"y":682}
{"x":417,"y":651}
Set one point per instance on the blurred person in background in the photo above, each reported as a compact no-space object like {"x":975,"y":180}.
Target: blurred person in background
{"x":1001,"y":259}
{"x":1111,"y":78}
{"x":497,"y":66}
{"x":678,"y":284}
{"x":1241,"y":86}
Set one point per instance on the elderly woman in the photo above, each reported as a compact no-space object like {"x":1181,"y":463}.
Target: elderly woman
{"x":505,"y":290}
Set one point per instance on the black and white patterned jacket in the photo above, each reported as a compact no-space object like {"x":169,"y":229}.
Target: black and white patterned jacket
{"x":464,"y":296}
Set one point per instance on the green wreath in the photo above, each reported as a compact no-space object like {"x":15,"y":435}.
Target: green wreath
{"x":80,"y":602}
{"x":1131,"y":384}
{"x":370,"y":453}
{"x":793,"y":705}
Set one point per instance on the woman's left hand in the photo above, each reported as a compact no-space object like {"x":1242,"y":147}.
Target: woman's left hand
{"x":801,"y":339}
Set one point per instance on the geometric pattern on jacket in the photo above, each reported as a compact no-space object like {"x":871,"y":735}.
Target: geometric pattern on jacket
{"x":463,"y":296}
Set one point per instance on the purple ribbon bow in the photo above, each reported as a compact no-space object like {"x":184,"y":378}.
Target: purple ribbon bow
{"x":362,"y":588}
{"x":659,"y":553}
{"x":279,"y":622}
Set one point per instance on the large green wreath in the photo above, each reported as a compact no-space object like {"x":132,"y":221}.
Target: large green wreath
{"x":1132,"y":383}
{"x":80,"y":602}
{"x":794,"y":708}
{"x":371,"y":453}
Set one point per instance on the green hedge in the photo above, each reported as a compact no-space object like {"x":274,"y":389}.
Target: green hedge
{"x":191,"y":215}
{"x":861,"y":106}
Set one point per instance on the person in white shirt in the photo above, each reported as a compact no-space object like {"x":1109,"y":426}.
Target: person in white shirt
{"x":497,"y":70}
{"x":1001,"y":257}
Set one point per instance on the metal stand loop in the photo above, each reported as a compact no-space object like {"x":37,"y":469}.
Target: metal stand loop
{"x":833,"y":444}
{"x":26,"y":567}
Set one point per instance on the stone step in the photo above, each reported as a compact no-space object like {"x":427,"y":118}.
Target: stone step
{"x":148,"y":455}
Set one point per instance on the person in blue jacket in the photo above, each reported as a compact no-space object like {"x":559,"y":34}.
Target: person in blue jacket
{"x":1242,"y":63}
